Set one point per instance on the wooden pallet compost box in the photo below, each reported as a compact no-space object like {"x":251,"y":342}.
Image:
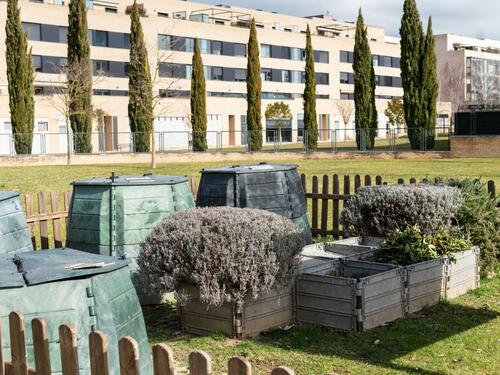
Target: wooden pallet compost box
{"x":253,"y":316}
{"x":357,"y":248}
{"x":350,"y":295}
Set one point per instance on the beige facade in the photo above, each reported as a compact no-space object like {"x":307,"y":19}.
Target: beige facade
{"x":468,"y":69}
{"x":226,"y":105}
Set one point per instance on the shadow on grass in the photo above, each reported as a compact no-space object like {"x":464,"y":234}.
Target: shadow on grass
{"x":397,"y":339}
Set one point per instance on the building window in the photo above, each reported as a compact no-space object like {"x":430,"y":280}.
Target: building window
{"x":172,"y":70}
{"x":296,"y":54}
{"x":101,"y":67}
{"x":216,"y":73}
{"x":204,"y":45}
{"x":443,"y":120}
{"x":285,"y":76}
{"x":265,"y":50}
{"x":296,"y":76}
{"x":189,"y":45}
{"x":43,"y":126}
{"x":344,"y":77}
{"x":216,"y":47}
{"x":164,"y":41}
{"x":321,"y":57}
{"x":322,"y":78}
{"x":162,"y":14}
{"x":100,"y":38}
{"x":110,"y":10}
{"x":240,"y":75}
{"x":266,"y":74}
{"x":346,"y":56}
{"x":33,"y":30}
{"x":240,"y":49}
{"x":37,"y":63}
{"x":7,"y":125}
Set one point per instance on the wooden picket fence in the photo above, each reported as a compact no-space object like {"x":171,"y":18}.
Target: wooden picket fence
{"x":199,"y":362}
{"x":47,"y":215}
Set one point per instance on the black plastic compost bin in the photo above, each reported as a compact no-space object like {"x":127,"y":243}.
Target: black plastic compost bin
{"x":272,"y":187}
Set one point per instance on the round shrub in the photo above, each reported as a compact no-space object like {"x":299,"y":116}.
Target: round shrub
{"x":377,"y":210}
{"x":228,"y":253}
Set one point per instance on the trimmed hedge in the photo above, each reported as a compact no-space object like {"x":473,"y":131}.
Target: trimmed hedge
{"x":228,"y":253}
{"x":378,"y":210}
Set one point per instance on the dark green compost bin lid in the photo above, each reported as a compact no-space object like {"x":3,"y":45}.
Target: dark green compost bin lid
{"x":146,"y":179}
{"x":4,"y":195}
{"x":39,"y":267}
{"x":252,"y":168}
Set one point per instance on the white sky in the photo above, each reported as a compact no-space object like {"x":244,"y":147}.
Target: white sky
{"x":474,"y":18}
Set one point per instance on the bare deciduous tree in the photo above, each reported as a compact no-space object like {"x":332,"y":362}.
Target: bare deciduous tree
{"x":346,"y":109}
{"x":62,"y":93}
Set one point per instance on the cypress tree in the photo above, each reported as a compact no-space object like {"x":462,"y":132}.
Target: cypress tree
{"x":198,"y":102}
{"x":79,"y":76}
{"x":429,"y":88}
{"x":310,"y":119}
{"x":254,"y":91}
{"x":20,"y":77}
{"x":364,"y":88}
{"x":374,"y":123}
{"x":411,"y":51}
{"x":140,"y":91}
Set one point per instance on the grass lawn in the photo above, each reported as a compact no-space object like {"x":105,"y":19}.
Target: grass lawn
{"x":58,"y":178}
{"x":461,"y":336}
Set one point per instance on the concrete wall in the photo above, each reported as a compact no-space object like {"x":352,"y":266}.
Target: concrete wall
{"x":486,"y":146}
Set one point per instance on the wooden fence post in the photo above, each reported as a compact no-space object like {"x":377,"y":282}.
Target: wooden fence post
{"x":239,"y":366}
{"x":28,"y":204}
{"x":163,"y":360}
{"x":336,"y":211}
{"x":491,"y":189}
{"x":69,"y":350}
{"x":324,"y":206}
{"x":314,"y":219}
{"x":194,"y":187}
{"x":19,"y":363}
{"x":282,"y":370}
{"x":128,"y":352}
{"x":41,"y":346}
{"x":199,"y":363}
{"x":56,"y":222}
{"x":98,"y":349}
{"x":44,"y":231}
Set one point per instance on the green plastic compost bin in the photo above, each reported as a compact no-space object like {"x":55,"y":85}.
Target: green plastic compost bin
{"x":112,"y":216}
{"x":14,"y":233}
{"x":272,"y":187}
{"x":65,"y":286}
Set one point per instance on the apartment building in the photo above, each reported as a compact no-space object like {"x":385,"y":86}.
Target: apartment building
{"x":469,"y":69}
{"x":170,"y":28}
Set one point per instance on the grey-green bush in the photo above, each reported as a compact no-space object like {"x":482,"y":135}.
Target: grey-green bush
{"x":228,"y":253}
{"x":479,"y":220}
{"x":377,"y":210}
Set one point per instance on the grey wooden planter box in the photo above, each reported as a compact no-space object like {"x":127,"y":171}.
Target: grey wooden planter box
{"x":361,"y":295}
{"x":434,"y":280}
{"x":463,"y":274}
{"x":425,"y":283}
{"x":254,"y":316}
{"x":314,"y":256}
